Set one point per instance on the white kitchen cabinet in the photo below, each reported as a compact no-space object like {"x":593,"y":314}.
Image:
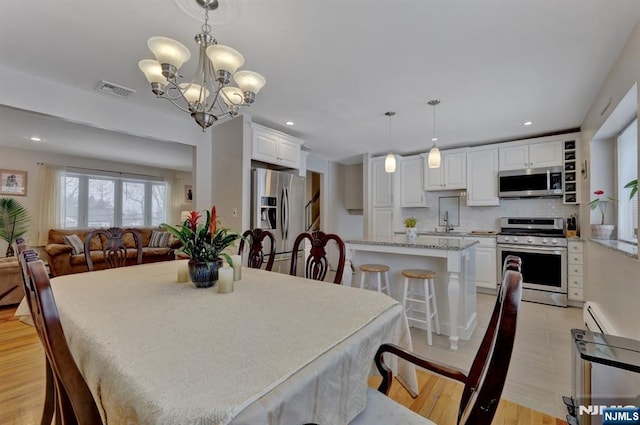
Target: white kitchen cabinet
{"x":533,"y":155}
{"x":482,"y":177}
{"x":382,"y":184}
{"x":575,"y":276}
{"x":486,"y":263}
{"x":382,"y":222}
{"x":452,"y":173}
{"x":411,"y":181}
{"x":275,"y":147}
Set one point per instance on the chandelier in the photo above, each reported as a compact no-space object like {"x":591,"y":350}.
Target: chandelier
{"x":208,"y":96}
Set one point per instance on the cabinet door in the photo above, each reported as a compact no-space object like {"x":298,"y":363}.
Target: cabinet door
{"x":482,"y":177}
{"x":547,"y":154}
{"x":514,"y":157}
{"x":382,"y":190}
{"x":411,"y":185}
{"x":382,"y":222}
{"x":288,"y":153}
{"x":434,"y":177}
{"x":455,"y":170}
{"x":265,"y":146}
{"x":486,"y":273}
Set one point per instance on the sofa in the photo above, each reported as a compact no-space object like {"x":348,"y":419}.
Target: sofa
{"x":11,"y":290}
{"x":63,"y":260}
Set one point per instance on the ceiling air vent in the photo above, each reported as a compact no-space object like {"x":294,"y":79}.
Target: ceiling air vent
{"x":114,"y":89}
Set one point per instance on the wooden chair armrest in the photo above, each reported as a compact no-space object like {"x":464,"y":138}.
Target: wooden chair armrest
{"x":416,"y":359}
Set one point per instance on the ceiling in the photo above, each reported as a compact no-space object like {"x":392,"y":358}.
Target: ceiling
{"x":334,"y":67}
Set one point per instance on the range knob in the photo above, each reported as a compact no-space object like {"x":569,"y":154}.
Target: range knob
{"x":545,"y":241}
{"x":515,"y":239}
{"x":529,"y":240}
{"x":554,"y":241}
{"x":507,"y":239}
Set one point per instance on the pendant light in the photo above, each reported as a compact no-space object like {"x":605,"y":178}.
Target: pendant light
{"x":434,"y":158}
{"x":390,"y":160}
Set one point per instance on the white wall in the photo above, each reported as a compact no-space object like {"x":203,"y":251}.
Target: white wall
{"x":611,"y":278}
{"x":19,"y":159}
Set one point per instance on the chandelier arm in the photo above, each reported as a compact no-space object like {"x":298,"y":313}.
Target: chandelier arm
{"x":175,"y":103}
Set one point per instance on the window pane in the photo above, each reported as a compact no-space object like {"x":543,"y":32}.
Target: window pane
{"x":627,"y":171}
{"x":100,"y":204}
{"x":158,"y":204}
{"x":132,"y":204}
{"x":72,"y":185}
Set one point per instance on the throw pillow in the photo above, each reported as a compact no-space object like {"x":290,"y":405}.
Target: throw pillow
{"x":75,"y":242}
{"x":159,"y":239}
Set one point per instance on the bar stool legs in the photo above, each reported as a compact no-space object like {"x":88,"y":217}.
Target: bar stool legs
{"x":381,"y":271}
{"x":410,"y":297}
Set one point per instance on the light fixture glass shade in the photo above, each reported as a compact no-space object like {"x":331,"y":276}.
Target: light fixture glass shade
{"x":152,"y":70}
{"x":390,"y":163}
{"x":167,"y":50}
{"x":249,"y":81}
{"x":434,"y":159}
{"x":194,"y":93}
{"x":224,"y":58}
{"x":232,"y":96}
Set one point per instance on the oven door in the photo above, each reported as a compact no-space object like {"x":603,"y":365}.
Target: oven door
{"x":544,"y":272}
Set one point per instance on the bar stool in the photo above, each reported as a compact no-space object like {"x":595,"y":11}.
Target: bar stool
{"x":378,"y":269}
{"x":410,"y":295}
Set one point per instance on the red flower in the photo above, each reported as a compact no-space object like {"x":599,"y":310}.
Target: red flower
{"x":193,"y":220}
{"x":213,"y":220}
{"x":599,"y":192}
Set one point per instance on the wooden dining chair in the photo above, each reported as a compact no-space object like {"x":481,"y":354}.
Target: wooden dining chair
{"x":74,"y":403}
{"x":114,"y":248}
{"x":317,"y":265}
{"x":255,"y":239}
{"x":482,"y":386}
{"x":24,"y":255}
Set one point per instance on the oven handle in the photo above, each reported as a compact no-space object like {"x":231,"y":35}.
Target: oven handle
{"x":559,"y":250}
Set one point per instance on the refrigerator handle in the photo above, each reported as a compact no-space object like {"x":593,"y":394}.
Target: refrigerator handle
{"x":286,"y":213}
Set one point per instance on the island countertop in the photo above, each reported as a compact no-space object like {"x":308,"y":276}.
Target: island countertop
{"x":428,"y":242}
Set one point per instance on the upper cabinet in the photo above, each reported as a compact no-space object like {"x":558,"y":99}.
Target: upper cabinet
{"x":275,"y":147}
{"x":411,"y":181}
{"x":482,"y":177}
{"x":533,"y":155}
{"x":382,"y":184}
{"x":452,"y":173}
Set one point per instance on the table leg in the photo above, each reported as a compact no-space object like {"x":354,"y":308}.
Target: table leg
{"x":454,"y":299}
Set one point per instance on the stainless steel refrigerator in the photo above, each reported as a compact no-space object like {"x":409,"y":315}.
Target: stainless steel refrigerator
{"x":277,"y":205}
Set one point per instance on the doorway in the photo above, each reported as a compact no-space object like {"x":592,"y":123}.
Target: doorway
{"x":313,"y":207}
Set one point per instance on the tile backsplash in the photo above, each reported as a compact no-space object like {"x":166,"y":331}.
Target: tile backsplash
{"x":485,"y":218}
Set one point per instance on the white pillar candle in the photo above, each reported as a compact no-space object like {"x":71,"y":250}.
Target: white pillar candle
{"x":237,"y":266}
{"x":225,"y":280}
{"x":183,"y":272}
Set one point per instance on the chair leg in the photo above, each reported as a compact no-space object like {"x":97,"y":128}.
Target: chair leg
{"x":436,"y":318}
{"x":379,"y":281}
{"x":427,"y":310}
{"x":404,"y":295}
{"x":386,"y":283}
{"x":362,"y":273}
{"x":49,"y":396}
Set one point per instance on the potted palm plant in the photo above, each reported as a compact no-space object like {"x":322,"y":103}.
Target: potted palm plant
{"x":203,"y":244}
{"x":14,"y":222}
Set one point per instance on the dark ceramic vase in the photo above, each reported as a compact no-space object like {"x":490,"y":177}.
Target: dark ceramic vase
{"x":203,"y":275}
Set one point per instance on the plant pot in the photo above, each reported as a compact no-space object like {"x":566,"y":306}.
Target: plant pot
{"x":204,"y":275}
{"x":602,"y":231}
{"x":412,"y":232}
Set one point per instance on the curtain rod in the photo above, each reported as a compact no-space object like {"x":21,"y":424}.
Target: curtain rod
{"x":95,"y":169}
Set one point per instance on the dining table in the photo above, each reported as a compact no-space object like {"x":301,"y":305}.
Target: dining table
{"x":277,"y":350}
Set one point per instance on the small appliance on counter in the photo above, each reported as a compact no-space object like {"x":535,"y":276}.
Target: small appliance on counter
{"x":572,"y":227}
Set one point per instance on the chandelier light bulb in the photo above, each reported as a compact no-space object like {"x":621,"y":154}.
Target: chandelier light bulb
{"x":167,"y":50}
{"x":232,"y":96}
{"x":434,"y":159}
{"x":390,"y":163}
{"x":194,"y":93}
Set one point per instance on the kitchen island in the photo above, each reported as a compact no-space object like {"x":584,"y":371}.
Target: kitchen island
{"x":452,"y":259}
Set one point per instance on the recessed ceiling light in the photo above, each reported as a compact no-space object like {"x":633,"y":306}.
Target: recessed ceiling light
{"x":528,"y":123}
{"x":289,"y":123}
{"x":35,"y":139}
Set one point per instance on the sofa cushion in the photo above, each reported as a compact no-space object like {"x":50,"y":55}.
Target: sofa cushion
{"x":159,"y":239}
{"x":75,"y":242}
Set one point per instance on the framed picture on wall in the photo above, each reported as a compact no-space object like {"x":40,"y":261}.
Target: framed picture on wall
{"x":13,"y":182}
{"x":188,"y":193}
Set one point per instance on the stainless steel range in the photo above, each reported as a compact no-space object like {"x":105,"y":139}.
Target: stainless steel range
{"x":542,"y":246}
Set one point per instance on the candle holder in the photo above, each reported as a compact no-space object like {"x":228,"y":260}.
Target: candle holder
{"x":237,"y":267}
{"x":225,"y":280}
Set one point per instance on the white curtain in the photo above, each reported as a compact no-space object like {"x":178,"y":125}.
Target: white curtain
{"x":50,"y":201}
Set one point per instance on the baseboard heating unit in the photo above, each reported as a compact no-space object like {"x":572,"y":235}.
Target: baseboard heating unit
{"x":596,"y":321}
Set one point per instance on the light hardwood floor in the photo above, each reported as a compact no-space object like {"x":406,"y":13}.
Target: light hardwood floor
{"x":22,"y":383}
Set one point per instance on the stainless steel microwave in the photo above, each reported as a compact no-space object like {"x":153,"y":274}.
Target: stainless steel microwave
{"x":531,"y":182}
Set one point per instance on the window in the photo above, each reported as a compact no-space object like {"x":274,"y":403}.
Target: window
{"x":627,"y":145}
{"x":103,"y":201}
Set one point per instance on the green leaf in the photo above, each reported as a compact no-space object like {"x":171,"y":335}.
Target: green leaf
{"x":14,"y":219}
{"x":633,"y":185}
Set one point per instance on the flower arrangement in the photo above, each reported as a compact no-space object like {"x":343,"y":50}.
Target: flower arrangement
{"x":203,"y":243}
{"x":600,"y":204}
{"x":410,"y":222}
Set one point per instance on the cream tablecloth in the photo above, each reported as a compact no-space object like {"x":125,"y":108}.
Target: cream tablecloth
{"x":278,"y":350}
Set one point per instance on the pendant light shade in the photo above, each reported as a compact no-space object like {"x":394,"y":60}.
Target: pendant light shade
{"x":390,"y":160}
{"x":434,"y":159}
{"x":390,"y":163}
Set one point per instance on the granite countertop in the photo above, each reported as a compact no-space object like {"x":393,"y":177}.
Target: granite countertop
{"x":443,"y":234}
{"x":427,"y":242}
